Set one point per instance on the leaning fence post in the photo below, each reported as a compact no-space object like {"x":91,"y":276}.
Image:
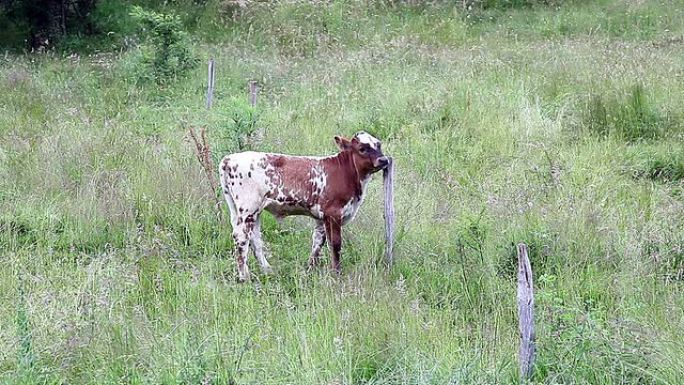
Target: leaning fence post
{"x":387,"y":175}
{"x":525,"y":313}
{"x":253,"y":90}
{"x":210,"y":83}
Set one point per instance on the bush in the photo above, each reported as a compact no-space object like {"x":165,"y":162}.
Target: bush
{"x":236,"y":123}
{"x":166,"y":53}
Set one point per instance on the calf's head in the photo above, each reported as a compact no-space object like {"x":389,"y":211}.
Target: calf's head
{"x":366,"y":151}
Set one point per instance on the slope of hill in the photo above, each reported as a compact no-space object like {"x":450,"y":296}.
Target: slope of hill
{"x":559,"y":126}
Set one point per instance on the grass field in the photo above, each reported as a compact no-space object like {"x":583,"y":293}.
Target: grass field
{"x":560,"y":126}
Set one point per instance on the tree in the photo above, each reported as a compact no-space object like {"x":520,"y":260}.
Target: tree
{"x":43,"y":24}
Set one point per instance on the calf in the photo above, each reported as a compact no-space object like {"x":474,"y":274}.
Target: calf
{"x":328,"y":189}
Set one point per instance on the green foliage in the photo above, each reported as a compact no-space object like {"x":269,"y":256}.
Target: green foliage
{"x":579,"y":324}
{"x":508,"y":4}
{"x":26,"y":357}
{"x":665,"y":167}
{"x":238,"y":124}
{"x":166,"y":53}
{"x":657,"y":164}
{"x":42,"y":25}
{"x":631,"y":117}
{"x":110,"y":27}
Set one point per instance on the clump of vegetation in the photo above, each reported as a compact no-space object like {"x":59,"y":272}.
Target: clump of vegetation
{"x":666,"y":168}
{"x":631,"y":117}
{"x":660,"y":165}
{"x":509,"y":4}
{"x":667,"y":256}
{"x":40,"y":25}
{"x":166,"y":53}
{"x":235,"y":125}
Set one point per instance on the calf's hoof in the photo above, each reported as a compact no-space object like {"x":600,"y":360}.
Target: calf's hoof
{"x":243,"y":276}
{"x":313,"y":263}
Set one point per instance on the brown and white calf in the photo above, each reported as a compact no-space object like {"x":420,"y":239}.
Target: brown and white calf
{"x":328,"y":189}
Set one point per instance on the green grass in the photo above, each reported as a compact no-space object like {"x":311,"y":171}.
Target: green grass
{"x":559,"y":126}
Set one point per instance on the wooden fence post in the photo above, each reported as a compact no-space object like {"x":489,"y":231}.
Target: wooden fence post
{"x":388,"y":179}
{"x":210,"y":83}
{"x":525,"y":313}
{"x":253,"y":90}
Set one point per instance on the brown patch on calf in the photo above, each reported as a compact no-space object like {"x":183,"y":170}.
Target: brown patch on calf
{"x":347,"y":182}
{"x":276,"y":161}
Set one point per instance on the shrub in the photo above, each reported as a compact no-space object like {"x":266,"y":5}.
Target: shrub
{"x":236,"y":122}
{"x":165,"y":52}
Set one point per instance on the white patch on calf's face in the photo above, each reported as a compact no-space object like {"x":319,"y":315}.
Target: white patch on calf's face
{"x":368,"y":139}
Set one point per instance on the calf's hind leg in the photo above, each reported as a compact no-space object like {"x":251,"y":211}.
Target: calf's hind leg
{"x":258,"y":246}
{"x":317,"y":242}
{"x":242,"y":232}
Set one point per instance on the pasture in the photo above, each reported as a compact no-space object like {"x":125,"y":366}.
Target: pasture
{"x":557,"y":125}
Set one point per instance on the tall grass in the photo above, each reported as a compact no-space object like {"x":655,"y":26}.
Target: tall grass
{"x":531,"y":124}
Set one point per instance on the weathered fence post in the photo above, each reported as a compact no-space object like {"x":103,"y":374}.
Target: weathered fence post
{"x":210,"y":83}
{"x":525,"y":313}
{"x":388,"y":179}
{"x":253,"y":90}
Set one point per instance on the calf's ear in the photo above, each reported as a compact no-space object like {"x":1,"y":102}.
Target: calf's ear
{"x":342,"y":143}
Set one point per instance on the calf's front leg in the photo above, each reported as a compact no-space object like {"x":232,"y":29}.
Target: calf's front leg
{"x":333,"y":231}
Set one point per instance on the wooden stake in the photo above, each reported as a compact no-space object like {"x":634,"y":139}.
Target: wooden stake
{"x":525,"y":313}
{"x":253,"y":90}
{"x":210,"y":83}
{"x":388,"y":182}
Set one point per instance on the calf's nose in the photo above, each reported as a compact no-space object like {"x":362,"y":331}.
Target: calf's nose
{"x":383,"y":161}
